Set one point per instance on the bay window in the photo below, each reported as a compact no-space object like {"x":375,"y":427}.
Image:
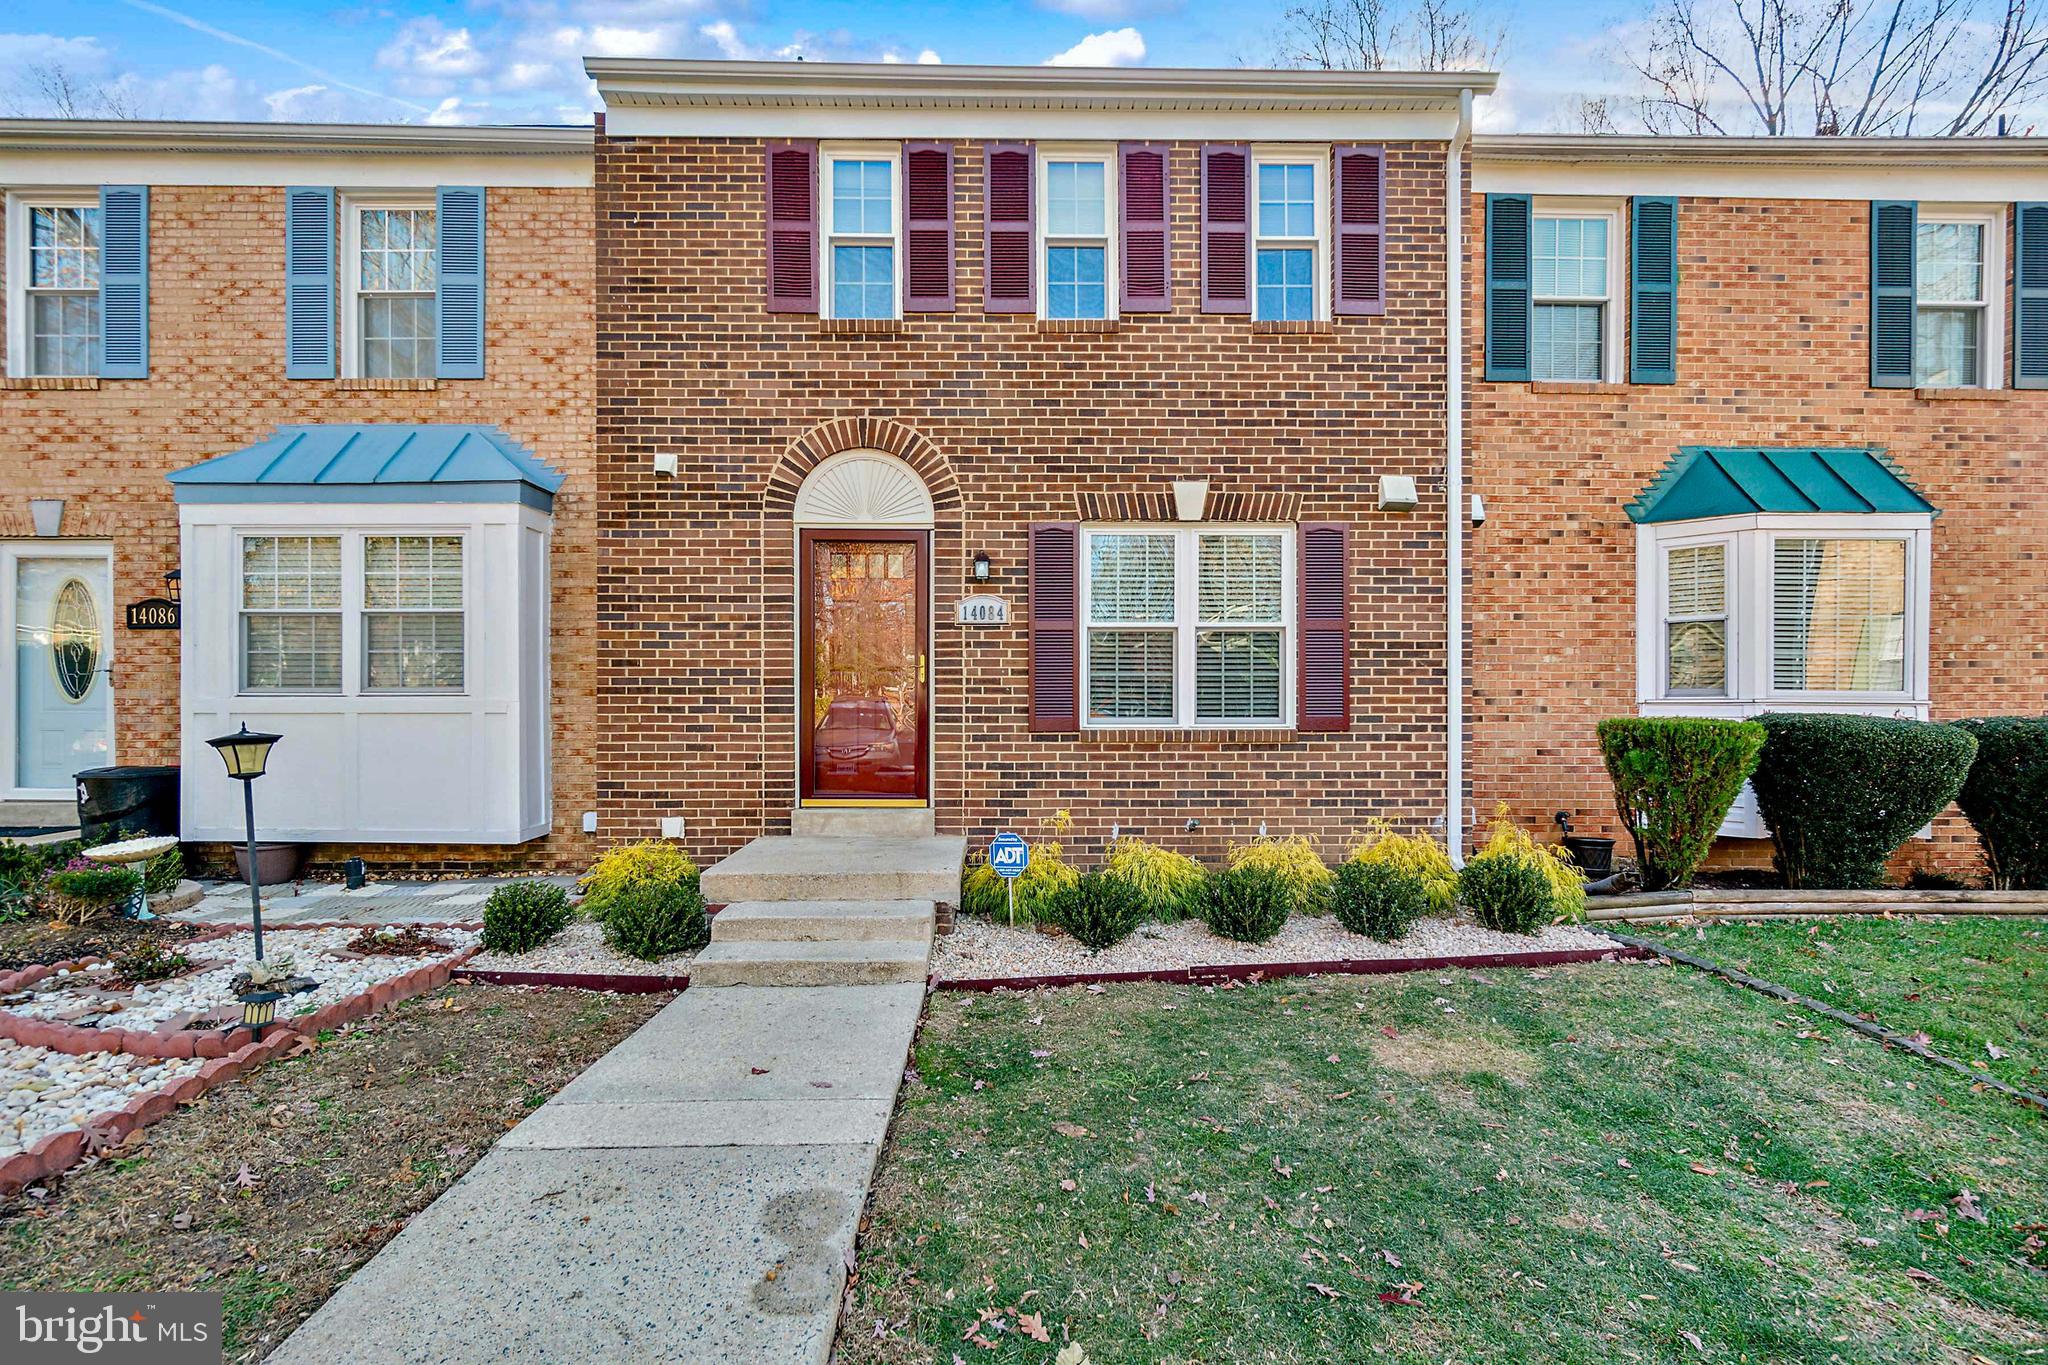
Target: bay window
{"x":1078,"y":209}
{"x":1187,"y":627}
{"x":861,"y":231}
{"x":412,"y":613}
{"x":291,"y":614}
{"x":406,"y":593}
{"x":1696,"y":620}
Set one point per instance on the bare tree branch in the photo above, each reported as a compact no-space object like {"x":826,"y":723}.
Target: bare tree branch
{"x":52,"y":91}
{"x":1380,"y":35}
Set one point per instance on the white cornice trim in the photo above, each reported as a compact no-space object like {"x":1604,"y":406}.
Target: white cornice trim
{"x":125,"y":135}
{"x":1862,"y":153}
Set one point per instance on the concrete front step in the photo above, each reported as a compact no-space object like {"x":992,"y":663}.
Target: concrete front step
{"x":822,"y":921}
{"x":855,"y":962}
{"x":822,"y":868}
{"x":863,"y":822}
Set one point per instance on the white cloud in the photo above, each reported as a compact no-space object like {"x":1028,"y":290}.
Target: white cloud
{"x":928,"y":57}
{"x":80,"y":56}
{"x":727,"y":39}
{"x":1116,"y":47}
{"x":617,"y":40}
{"x":451,"y":113}
{"x":426,"y":47}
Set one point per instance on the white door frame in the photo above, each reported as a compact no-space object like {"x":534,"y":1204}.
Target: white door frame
{"x":11,"y":554}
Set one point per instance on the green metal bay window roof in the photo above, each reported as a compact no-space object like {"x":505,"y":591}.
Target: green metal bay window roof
{"x":374,"y":462}
{"x":1733,"y":481}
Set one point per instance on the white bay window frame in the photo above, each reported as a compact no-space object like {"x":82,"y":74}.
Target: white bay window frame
{"x":831,"y":235}
{"x":1041,"y":256}
{"x":1187,"y":623}
{"x":1614,"y":307}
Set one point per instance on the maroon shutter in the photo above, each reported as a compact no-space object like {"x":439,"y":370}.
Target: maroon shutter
{"x":792,"y":175}
{"x":928,"y":227}
{"x":1006,"y":239}
{"x":1226,"y":229}
{"x":1055,"y":612}
{"x":1142,"y":214}
{"x":1325,"y":702}
{"x":1361,"y":230}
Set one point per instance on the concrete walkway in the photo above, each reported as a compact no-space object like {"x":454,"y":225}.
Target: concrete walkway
{"x":374,"y":903}
{"x":694,"y":1196}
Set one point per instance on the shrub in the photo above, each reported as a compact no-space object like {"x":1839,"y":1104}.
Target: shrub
{"x":520,"y":916}
{"x":1168,"y":883}
{"x":2006,"y":798}
{"x":161,"y":874}
{"x":149,"y":961}
{"x":1842,"y":793}
{"x":394,"y":940}
{"x":1097,"y":909}
{"x":654,"y":863}
{"x":1507,"y":891}
{"x":1674,"y":779}
{"x":650,"y":919}
{"x":1567,"y":884}
{"x":1248,"y":903}
{"x":1379,"y":900}
{"x":982,"y":891}
{"x":84,"y":891}
{"x":1418,"y":854}
{"x":1298,"y":866}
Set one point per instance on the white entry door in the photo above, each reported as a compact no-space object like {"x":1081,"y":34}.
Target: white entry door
{"x":60,"y":605}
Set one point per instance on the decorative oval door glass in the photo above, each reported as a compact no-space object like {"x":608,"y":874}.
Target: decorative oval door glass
{"x":75,"y":639}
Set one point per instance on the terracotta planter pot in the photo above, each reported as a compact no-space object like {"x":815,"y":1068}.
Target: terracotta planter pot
{"x":275,"y":863}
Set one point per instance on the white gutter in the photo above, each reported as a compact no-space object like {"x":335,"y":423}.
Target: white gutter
{"x":1454,"y":484}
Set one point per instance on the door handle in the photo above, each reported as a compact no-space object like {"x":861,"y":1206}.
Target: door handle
{"x":920,"y":669}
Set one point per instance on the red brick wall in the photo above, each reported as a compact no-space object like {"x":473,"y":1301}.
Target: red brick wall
{"x":696,"y":674}
{"x":1773,"y":350}
{"x":216,"y":382}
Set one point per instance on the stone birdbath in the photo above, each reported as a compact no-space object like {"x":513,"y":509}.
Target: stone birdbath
{"x":134,"y":851}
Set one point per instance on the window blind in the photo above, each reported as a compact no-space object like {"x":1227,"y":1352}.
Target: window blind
{"x":1238,"y":578}
{"x":1130,"y":578}
{"x":1838,"y":617}
{"x":1696,"y":620}
{"x":1237,"y":675}
{"x":1130,"y":675}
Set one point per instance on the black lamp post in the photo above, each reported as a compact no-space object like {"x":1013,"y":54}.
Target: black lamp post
{"x":245,"y":752}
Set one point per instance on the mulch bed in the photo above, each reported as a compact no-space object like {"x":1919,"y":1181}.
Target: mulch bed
{"x":38,"y":941}
{"x":274,"y":1188}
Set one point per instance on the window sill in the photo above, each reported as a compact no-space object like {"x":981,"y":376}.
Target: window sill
{"x":1159,"y":737}
{"x":1575,"y":386}
{"x":860,"y":327}
{"x":1102,"y":326}
{"x":359,"y":385}
{"x":29,"y":381}
{"x":1963,"y":395}
{"x":1306,"y":327}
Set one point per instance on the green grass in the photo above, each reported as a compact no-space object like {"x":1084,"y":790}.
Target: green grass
{"x":1969,"y":982}
{"x":1601,"y":1164}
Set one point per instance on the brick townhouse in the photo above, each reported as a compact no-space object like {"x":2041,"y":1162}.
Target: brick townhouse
{"x":365,"y":356}
{"x":979,"y":443}
{"x":1757,"y":425}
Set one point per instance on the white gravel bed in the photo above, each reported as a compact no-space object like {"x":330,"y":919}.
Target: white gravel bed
{"x":580,"y":947}
{"x":44,"y":1092}
{"x":84,"y":997}
{"x":984,"y":948}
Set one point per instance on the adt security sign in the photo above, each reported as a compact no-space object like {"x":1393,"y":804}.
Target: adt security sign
{"x":1008,"y":855}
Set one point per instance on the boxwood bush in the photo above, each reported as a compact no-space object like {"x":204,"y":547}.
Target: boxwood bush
{"x":1249,"y":903}
{"x":1674,"y":779}
{"x":2006,"y":798}
{"x":520,"y":916}
{"x":1096,"y":908}
{"x":1842,"y":793}
{"x":1379,"y":900}
{"x":650,"y":920}
{"x":1508,"y":891}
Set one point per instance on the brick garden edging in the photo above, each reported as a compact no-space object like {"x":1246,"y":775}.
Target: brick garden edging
{"x":1246,"y":971}
{"x":623,"y":983}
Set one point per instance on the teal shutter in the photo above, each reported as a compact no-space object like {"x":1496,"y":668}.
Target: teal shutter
{"x":459,"y":283}
{"x":1894,"y":224}
{"x":1510,"y":306}
{"x":2030,"y":297}
{"x":124,"y":282}
{"x":1653,"y":291}
{"x":308,"y":283}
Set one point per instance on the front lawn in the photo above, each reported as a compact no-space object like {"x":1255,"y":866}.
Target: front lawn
{"x":1602,"y":1163}
{"x":1972,"y":983}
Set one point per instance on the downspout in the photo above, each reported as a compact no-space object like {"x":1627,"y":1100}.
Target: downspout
{"x":1454,"y":483}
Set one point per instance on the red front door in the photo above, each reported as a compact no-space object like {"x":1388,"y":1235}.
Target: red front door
{"x":864,"y":725}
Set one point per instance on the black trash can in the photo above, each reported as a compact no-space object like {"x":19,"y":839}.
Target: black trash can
{"x":139,"y":800}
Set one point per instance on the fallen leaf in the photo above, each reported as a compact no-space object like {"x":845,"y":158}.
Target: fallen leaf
{"x":1968,"y":1207}
{"x":1390,"y":1258}
{"x":1701,"y":1168}
{"x":1389,"y":1030}
{"x":1071,"y":1130}
{"x":1692,"y":1339}
{"x":1073,"y":1353}
{"x":1032,"y":1326}
{"x":1324,"y":1290}
{"x":1069,"y":1186}
{"x":1996,"y":1052}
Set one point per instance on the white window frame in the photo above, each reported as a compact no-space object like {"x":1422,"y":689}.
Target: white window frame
{"x":1187,"y":624}
{"x":1106,"y":155}
{"x":353,"y":611}
{"x":1614,"y":308}
{"x":353,"y":207}
{"x":20,"y":349}
{"x":1317,"y":158}
{"x":1730,"y":572}
{"x":830,"y":236}
{"x":461,"y":610}
{"x":1991,"y":310}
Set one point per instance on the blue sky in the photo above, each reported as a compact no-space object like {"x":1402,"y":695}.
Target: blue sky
{"x":519,"y":60}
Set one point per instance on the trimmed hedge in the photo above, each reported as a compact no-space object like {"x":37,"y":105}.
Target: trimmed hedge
{"x":1508,"y":891}
{"x":1379,"y":900}
{"x":520,"y":916}
{"x":1842,"y":793}
{"x":1248,"y":903}
{"x":651,"y":920}
{"x":2006,"y":798}
{"x":1097,"y":909}
{"x":1674,"y":779}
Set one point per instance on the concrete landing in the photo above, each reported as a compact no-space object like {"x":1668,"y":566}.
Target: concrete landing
{"x":864,"y":822}
{"x":693,"y":1197}
{"x":823,"y":868}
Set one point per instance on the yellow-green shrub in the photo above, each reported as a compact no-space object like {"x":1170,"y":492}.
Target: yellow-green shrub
{"x":1295,"y":861}
{"x":1417,"y":854}
{"x":982,"y":892}
{"x":1567,"y":883}
{"x":1170,"y":883}
{"x":654,"y":863}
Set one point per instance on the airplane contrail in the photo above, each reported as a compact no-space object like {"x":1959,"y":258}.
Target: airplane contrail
{"x":223,"y":35}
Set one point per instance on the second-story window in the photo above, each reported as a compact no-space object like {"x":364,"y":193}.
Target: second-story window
{"x":1949,"y":322}
{"x":61,"y":300}
{"x":1080,"y":267}
{"x":1287,"y":227}
{"x":1573,"y":260}
{"x":861,"y":228}
{"x":388,"y":323}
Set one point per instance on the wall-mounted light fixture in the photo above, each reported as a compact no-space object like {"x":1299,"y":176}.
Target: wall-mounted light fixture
{"x":982,"y":566}
{"x":173,"y":583}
